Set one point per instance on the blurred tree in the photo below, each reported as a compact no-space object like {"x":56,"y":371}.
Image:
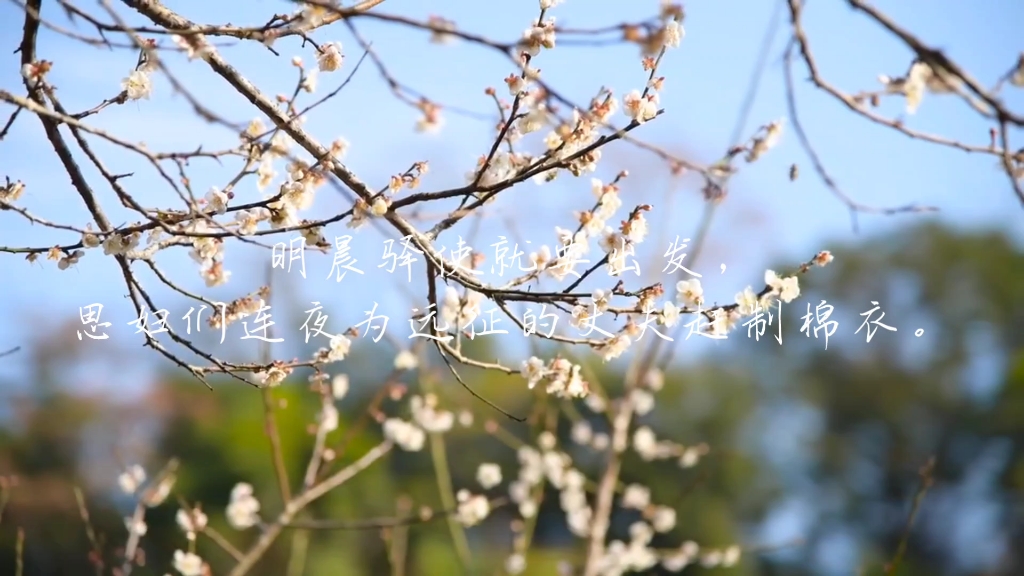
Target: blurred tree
{"x":880,"y":410}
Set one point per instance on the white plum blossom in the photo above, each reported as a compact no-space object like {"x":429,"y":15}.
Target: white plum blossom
{"x":116,"y":244}
{"x":654,"y":379}
{"x":533,"y":370}
{"x":460,"y":312}
{"x":130,"y":480}
{"x":565,"y":380}
{"x":488,"y":475}
{"x":722,"y":322}
{"x":673,"y":34}
{"x":582,"y":433}
{"x":193,"y":45}
{"x":747,"y":301}
{"x":595,"y":403}
{"x":823,"y":258}
{"x":33,"y":72}
{"x":406,"y":360}
{"x":640,"y":108}
{"x":690,"y":457}
{"x":531,"y":470}
{"x":14,"y":190}
{"x":136,"y":526}
{"x":669,"y":315}
{"x":645,"y":443}
{"x":579,"y":521}
{"x":472,"y":509}
{"x":546,"y":440}
{"x":731,"y":556}
{"x":711,"y":559}
{"x":690,"y":292}
{"x":217,"y":201}
{"x":309,"y":80}
{"x":664,"y":519}
{"x":243,"y":507}
{"x":328,"y":418}
{"x":187,"y":563}
{"x":407,"y":435}
{"x":516,"y":563}
{"x":636,"y":228}
{"x":540,"y":35}
{"x":788,"y":289}
{"x":330,"y":57}
{"x":427,"y":415}
{"x":682,"y":557}
{"x":339,"y":348}
{"x":191,"y":521}
{"x":615,"y":347}
{"x":339,"y":386}
{"x":636,"y":496}
{"x":642,"y":400}
{"x":380,"y":206}
{"x":272,"y":376}
{"x":137,"y":85}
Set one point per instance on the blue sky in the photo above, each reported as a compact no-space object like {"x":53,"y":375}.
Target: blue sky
{"x":766,"y":218}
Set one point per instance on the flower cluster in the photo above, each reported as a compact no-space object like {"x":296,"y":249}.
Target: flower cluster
{"x":562,"y":376}
{"x":243,"y":508}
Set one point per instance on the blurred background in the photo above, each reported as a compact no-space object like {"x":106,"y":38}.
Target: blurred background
{"x":817,"y":456}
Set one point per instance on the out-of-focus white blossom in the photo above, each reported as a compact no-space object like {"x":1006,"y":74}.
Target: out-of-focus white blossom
{"x":636,"y":496}
{"x":673,"y":34}
{"x":472,"y":509}
{"x":191,"y":521}
{"x":731,"y":556}
{"x":407,"y":435}
{"x":711,"y":559}
{"x":136,"y":526}
{"x":406,"y":360}
{"x":330,"y":57}
{"x":187,"y":563}
{"x":488,"y":475}
{"x":546,"y":440}
{"x":516,"y":563}
{"x":747,"y":301}
{"x":428,"y":416}
{"x":328,"y":418}
{"x":823,"y":258}
{"x":615,"y":347}
{"x":582,"y":432}
{"x":645,"y":443}
{"x":654,"y":379}
{"x":339,"y":386}
{"x":643,"y":401}
{"x":243,"y":507}
{"x":664,"y":519}
{"x":130,"y":480}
